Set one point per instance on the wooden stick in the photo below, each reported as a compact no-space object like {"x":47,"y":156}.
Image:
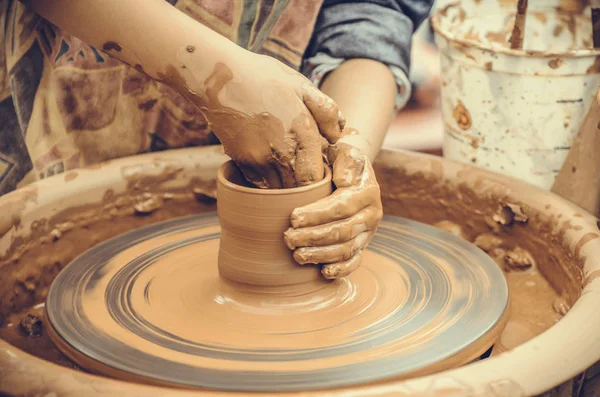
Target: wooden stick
{"x":596,"y":26}
{"x":579,"y":177}
{"x":516,"y":37}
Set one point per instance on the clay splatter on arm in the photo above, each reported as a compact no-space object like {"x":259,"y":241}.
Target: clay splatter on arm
{"x":111,"y":46}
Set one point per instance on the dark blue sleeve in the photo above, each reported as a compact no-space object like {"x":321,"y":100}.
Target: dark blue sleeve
{"x":374,"y":29}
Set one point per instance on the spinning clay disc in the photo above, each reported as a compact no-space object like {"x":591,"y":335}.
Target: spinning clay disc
{"x":149,"y":306}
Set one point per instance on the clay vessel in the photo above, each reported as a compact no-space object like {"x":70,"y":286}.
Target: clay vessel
{"x":252,"y":253}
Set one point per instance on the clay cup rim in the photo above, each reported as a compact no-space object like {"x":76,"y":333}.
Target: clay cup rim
{"x":225,"y":182}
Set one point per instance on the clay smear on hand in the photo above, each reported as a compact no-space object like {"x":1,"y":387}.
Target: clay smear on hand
{"x":336,"y":230}
{"x":272,"y":153}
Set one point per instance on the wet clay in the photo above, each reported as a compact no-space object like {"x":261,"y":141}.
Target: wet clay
{"x":30,"y":265}
{"x":12,"y":207}
{"x":420,"y":194}
{"x":41,"y":346}
{"x":529,"y":317}
{"x":532,"y":309}
{"x":270,"y":153}
{"x":253,"y":254}
{"x":156,"y":297}
{"x":498,"y":226}
{"x":335,"y":231}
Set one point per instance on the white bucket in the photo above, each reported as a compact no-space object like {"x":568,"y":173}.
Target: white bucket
{"x":515,"y":111}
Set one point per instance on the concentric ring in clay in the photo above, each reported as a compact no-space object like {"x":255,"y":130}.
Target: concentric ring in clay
{"x":149,"y":306}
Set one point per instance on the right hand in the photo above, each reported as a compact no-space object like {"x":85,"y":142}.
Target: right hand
{"x":336,"y":230}
{"x":270,"y":119}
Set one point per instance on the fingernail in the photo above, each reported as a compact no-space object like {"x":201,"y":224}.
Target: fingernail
{"x":330,"y":272}
{"x":288,"y":238}
{"x":296,"y":219}
{"x":342,"y":120}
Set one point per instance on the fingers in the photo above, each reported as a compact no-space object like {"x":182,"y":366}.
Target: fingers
{"x":334,"y":233}
{"x":342,"y":269}
{"x":332,"y":253}
{"x":263,"y":177}
{"x":308,"y":166}
{"x":335,"y":230}
{"x":325,"y":147}
{"x":341,"y":204}
{"x":282,"y":159}
{"x":348,"y":164}
{"x":286,"y":173}
{"x":325,"y":111}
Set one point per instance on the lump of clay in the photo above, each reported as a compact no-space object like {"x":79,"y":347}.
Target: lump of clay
{"x":31,"y":326}
{"x":150,"y":204}
{"x":452,"y":228}
{"x":518,"y":259}
{"x":488,"y":241}
{"x":60,"y":229}
{"x":509,"y":213}
{"x":206,"y":195}
{"x":561,"y":306}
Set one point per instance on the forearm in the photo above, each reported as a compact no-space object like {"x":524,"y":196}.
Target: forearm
{"x":365,"y":91}
{"x":150,"y":35}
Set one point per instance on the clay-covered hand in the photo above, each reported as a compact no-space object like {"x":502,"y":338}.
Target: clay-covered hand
{"x":270,"y":119}
{"x":335,"y":231}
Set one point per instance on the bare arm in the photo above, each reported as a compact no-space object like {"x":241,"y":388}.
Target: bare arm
{"x":360,"y":55}
{"x":147,"y":34}
{"x":365,"y":91}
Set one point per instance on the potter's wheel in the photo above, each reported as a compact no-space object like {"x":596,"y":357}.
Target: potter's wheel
{"x":149,"y":306}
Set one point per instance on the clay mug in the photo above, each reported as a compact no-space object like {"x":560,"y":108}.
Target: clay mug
{"x":252,"y":253}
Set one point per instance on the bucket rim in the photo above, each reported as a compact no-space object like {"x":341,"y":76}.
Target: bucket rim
{"x":435,"y":21}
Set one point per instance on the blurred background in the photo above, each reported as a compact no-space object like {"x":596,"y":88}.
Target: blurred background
{"x":419,"y":125}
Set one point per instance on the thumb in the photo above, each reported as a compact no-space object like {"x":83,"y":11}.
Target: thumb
{"x":348,"y":164}
{"x":325,"y":112}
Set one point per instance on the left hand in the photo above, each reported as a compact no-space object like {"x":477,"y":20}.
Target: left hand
{"x":335,"y":231}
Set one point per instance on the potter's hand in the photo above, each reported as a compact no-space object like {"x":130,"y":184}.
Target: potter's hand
{"x":334,"y":231}
{"x":271,"y":120}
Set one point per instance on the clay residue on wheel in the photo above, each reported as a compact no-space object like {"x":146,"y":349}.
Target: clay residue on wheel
{"x":111,"y":46}
{"x":525,"y":242}
{"x":41,"y":345}
{"x":31,"y":263}
{"x":147,"y":176}
{"x":179,"y":292}
{"x":69,"y":176}
{"x":13,"y":206}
